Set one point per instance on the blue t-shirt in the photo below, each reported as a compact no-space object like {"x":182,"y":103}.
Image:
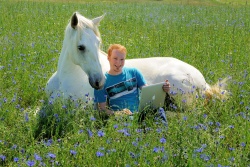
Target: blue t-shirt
{"x":121,"y":90}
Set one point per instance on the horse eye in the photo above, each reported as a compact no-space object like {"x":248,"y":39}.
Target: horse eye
{"x":81,"y":47}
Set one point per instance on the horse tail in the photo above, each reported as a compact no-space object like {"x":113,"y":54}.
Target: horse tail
{"x":217,"y":90}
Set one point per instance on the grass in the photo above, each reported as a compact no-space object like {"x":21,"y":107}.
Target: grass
{"x":213,"y":37}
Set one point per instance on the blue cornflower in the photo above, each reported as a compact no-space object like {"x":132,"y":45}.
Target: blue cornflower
{"x":51,"y":155}
{"x":185,"y":118}
{"x":205,"y":157}
{"x":232,"y":159}
{"x":231,"y":126}
{"x":135,"y":143}
{"x":16,"y":159}
{"x":3,"y":157}
{"x":163,"y":140}
{"x":199,"y":150}
{"x":92,"y":118}
{"x":99,"y":154}
{"x":210,"y":123}
{"x":126,"y":133}
{"x":80,"y":131}
{"x":115,"y":126}
{"x":139,"y":130}
{"x":37,"y":157}
{"x":26,"y":117}
{"x":100,"y":133}
{"x":132,"y":155}
{"x":156,"y":149}
{"x":159,"y":130}
{"x":243,"y":144}
{"x":218,"y":124}
{"x":90,"y":133}
{"x":14,"y":146}
{"x":73,"y":152}
{"x":30,"y":163}
{"x":49,"y":142}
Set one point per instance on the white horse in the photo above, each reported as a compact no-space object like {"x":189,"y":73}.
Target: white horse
{"x":79,"y":67}
{"x":82,"y":64}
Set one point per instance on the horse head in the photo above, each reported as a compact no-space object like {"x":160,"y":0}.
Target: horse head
{"x":84,"y":40}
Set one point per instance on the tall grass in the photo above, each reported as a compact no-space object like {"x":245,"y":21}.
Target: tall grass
{"x":214,"y":38}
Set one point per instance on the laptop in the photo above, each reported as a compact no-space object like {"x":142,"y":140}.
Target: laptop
{"x":152,"y":96}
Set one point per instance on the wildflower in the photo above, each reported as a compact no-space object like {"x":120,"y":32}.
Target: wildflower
{"x":49,"y":142}
{"x":163,"y":140}
{"x":80,"y":131}
{"x":218,"y":124}
{"x":92,"y":118}
{"x":232,"y":159}
{"x":205,"y":157}
{"x":115,"y":126}
{"x":243,"y":144}
{"x":26,"y":117}
{"x":100,"y":133}
{"x":73,"y":152}
{"x":222,"y":137}
{"x":159,"y":130}
{"x":132,"y":155}
{"x":231,"y":126}
{"x":14,"y":146}
{"x":90,"y":133}
{"x":30,"y":163}
{"x":3,"y":157}
{"x":16,"y":159}
{"x":139,"y":130}
{"x":126,"y":133}
{"x":51,"y":155}
{"x":135,"y":143}
{"x":199,"y":150}
{"x":156,"y":149}
{"x":184,"y":118}
{"x":99,"y":154}
{"x":76,"y":144}
{"x":37,"y":157}
{"x":210,"y":123}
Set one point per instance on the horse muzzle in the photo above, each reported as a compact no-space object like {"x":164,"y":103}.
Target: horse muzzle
{"x":97,"y":83}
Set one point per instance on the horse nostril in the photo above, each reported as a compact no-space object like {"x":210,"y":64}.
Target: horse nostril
{"x":97,"y":84}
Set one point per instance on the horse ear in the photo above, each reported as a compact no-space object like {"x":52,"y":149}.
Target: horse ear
{"x":74,"y":21}
{"x":97,"y":20}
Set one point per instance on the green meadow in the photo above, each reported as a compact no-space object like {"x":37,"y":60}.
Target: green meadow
{"x":213,"y":36}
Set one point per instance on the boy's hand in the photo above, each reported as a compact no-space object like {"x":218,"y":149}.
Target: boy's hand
{"x":166,"y":87}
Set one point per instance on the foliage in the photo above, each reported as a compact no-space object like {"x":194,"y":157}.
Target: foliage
{"x":213,"y":37}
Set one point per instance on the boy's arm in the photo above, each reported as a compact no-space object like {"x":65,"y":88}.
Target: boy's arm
{"x":103,"y":107}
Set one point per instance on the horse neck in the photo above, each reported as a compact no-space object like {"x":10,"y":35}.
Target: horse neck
{"x":104,"y":61}
{"x":65,"y":64}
